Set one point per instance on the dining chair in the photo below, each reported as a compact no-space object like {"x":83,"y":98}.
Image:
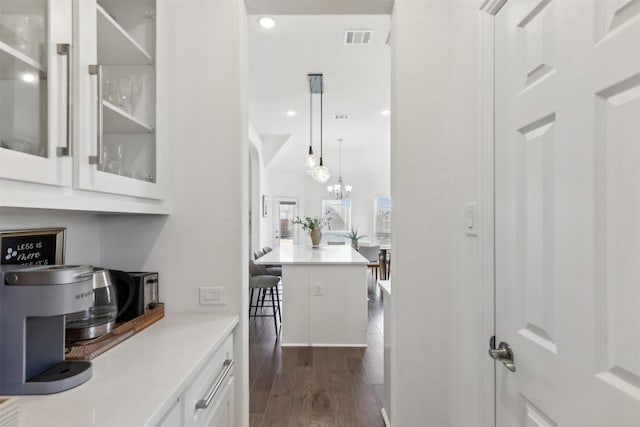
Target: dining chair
{"x":372,"y":254}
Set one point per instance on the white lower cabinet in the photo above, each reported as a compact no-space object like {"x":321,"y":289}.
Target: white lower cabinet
{"x":208,"y":400}
{"x":173,"y":418}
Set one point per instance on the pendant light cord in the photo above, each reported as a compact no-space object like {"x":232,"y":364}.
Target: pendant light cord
{"x":310,"y":119}
{"x":321,"y":96}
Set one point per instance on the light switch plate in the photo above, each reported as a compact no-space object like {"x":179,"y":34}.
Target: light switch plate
{"x":471,"y":219}
{"x":213,"y":295}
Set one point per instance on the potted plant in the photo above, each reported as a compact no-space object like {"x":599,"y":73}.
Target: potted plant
{"x":354,"y":236}
{"x":313,"y":225}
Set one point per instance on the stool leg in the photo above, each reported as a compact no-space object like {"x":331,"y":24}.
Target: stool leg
{"x":278,"y":303}
{"x":264,"y":295}
{"x":250,"y":301}
{"x":273,"y":307}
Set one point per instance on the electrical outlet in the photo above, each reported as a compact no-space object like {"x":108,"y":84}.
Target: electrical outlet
{"x":213,"y":296}
{"x":317,"y":289}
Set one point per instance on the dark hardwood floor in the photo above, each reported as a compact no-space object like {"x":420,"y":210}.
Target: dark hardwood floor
{"x":316,"y":386}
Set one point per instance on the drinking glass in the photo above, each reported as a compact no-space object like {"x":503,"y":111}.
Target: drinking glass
{"x":125,"y":94}
{"x":116,"y":162}
{"x":136,"y":90}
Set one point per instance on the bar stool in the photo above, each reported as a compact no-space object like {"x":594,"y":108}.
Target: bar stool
{"x":264,"y":283}
{"x":274,"y":270}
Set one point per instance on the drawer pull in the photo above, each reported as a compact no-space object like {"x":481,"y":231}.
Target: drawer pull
{"x":204,"y":403}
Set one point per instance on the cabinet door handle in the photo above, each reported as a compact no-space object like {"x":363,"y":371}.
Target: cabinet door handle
{"x":206,"y":401}
{"x":65,"y":49}
{"x":96,"y":70}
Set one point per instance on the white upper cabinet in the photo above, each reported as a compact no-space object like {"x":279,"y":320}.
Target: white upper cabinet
{"x":35,"y":84}
{"x":118,"y":150}
{"x":78,"y":106}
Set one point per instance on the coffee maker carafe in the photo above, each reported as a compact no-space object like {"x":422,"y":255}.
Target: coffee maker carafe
{"x":100,"y":318}
{"x":33,"y":302}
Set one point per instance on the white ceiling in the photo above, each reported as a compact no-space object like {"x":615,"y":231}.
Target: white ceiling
{"x":356,"y":81}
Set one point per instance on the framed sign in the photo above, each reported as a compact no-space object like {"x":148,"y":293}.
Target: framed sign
{"x":43,"y":246}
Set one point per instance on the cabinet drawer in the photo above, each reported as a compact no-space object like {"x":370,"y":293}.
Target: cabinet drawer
{"x":173,"y":416}
{"x":213,"y":384}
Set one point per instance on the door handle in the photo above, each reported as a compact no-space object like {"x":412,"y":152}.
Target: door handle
{"x":503,"y":354}
{"x":65,"y":49}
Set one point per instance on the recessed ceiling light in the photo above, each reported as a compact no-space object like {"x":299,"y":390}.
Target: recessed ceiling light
{"x":266,"y":22}
{"x":291,"y":113}
{"x":385,"y":112}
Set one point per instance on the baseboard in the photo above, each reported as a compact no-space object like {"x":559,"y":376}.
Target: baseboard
{"x":321,"y":345}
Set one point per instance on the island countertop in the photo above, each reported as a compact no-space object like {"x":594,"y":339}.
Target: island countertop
{"x":307,"y":255}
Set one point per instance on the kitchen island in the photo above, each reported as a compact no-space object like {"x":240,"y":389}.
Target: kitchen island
{"x":324,"y":295}
{"x":143,"y":380}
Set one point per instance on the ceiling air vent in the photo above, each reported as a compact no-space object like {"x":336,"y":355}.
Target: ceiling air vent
{"x":357,"y":37}
{"x":343,"y":116}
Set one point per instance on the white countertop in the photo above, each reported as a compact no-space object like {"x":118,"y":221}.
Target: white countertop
{"x":134,"y":383}
{"x":306,"y":255}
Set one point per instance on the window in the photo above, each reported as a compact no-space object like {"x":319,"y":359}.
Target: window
{"x":382,"y":219}
{"x":337,"y":215}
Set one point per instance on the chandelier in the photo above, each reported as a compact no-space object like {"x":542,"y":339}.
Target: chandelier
{"x":320,"y":173}
{"x":339,"y":190}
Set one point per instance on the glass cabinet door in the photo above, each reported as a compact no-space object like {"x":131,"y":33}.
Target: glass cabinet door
{"x":118,"y":151}
{"x":23,"y":74}
{"x":34,"y":83}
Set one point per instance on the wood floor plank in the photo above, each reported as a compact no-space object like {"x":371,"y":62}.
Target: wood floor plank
{"x":263,"y":383}
{"x":316,"y":386}
{"x":255,"y":420}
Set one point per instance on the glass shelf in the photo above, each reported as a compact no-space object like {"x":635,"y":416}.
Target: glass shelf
{"x":117,"y":120}
{"x":116,"y":46}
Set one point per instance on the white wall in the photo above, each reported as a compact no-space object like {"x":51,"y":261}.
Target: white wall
{"x":439,"y":354}
{"x":259,"y":187}
{"x":369,"y":180}
{"x":82,"y":235}
{"x":284,"y":184}
{"x":204,"y":242}
{"x":368,"y":183}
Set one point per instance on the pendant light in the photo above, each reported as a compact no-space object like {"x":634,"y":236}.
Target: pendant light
{"x":339,"y":190}
{"x":321,"y":173}
{"x":310,"y":161}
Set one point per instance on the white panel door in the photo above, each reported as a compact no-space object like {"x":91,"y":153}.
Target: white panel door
{"x":567,"y":188}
